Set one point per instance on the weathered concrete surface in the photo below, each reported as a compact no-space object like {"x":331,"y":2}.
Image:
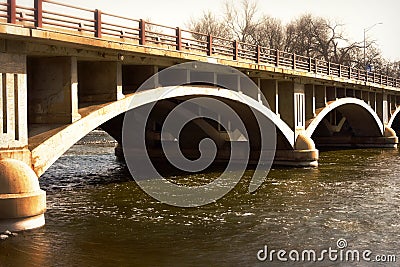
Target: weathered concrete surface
{"x":22,"y":202}
{"x":53,"y":90}
{"x":13,"y":108}
{"x":100,"y":81}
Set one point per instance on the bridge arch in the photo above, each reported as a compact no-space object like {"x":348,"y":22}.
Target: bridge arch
{"x":47,"y":149}
{"x":361,"y":117}
{"x":394,"y":118}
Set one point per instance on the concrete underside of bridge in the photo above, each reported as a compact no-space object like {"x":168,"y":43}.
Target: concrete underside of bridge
{"x":54,"y":92}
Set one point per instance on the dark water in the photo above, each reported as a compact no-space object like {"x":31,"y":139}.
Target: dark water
{"x":97,"y":216}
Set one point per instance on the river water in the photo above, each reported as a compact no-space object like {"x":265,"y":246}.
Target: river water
{"x":97,"y":216}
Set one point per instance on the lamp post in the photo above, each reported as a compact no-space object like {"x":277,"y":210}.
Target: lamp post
{"x":365,"y":31}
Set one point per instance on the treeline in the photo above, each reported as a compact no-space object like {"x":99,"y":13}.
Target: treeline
{"x":308,"y":35}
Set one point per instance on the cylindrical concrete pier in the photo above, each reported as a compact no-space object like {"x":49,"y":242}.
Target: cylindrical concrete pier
{"x":22,"y":202}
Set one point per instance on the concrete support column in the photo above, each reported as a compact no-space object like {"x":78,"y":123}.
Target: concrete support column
{"x":379,"y":108}
{"x":310,"y":101}
{"x":299,"y":108}
{"x":358,"y":94}
{"x":385,"y":108}
{"x":331,"y":93}
{"x":22,"y":203}
{"x":270,"y":90}
{"x":292,"y":106}
{"x":286,"y":103}
{"x":53,"y":90}
{"x":320,"y":96}
{"x":365,"y":97}
{"x":13,"y":108}
{"x":295,"y":101}
{"x":392,"y":105}
{"x":100,"y":81}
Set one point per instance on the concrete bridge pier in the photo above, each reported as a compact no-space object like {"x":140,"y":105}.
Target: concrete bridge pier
{"x":288,"y":100}
{"x":22,"y":203}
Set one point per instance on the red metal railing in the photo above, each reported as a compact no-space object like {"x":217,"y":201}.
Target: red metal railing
{"x":62,"y":16}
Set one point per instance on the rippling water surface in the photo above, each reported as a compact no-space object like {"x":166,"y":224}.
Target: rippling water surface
{"x":97,"y":216}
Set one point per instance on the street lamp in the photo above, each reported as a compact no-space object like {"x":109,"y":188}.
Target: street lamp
{"x":365,"y":31}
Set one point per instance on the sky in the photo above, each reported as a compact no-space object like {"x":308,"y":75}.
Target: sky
{"x":356,"y":15}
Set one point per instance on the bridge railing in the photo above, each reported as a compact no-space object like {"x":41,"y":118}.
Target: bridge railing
{"x":51,"y":14}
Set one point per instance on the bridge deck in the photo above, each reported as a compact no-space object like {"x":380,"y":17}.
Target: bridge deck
{"x":78,"y":27}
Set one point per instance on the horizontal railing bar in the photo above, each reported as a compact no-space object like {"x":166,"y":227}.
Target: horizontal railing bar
{"x":67,"y":5}
{"x":68,"y":16}
{"x":68,"y":27}
{"x":119,"y":17}
{"x":118,"y":26}
{"x":26,"y":8}
{"x":159,"y":25}
{"x":65,"y":21}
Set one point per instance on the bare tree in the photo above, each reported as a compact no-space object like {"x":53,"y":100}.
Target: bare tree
{"x":269,"y":33}
{"x":241,"y":20}
{"x":308,"y":35}
{"x":209,"y":24}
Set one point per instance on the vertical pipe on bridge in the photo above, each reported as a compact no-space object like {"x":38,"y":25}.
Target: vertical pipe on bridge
{"x":209,"y":45}
{"x":277,"y":58}
{"x":12,"y":11}
{"x":178,"y":39}
{"x":142,"y":32}
{"x":38,"y":13}
{"x":294,"y":61}
{"x":97,"y":23}
{"x":235,"y":50}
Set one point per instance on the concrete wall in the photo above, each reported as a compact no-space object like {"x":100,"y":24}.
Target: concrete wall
{"x":270,"y":89}
{"x":133,"y":76}
{"x":320,"y":96}
{"x":309,"y":90}
{"x":99,"y":81}
{"x":286,"y":99}
{"x":53,"y":90}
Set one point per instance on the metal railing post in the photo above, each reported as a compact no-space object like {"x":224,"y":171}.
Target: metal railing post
{"x":329,"y":68}
{"x":39,"y":13}
{"x":12,"y":11}
{"x":209,"y":45}
{"x":178,"y":39}
{"x":294,"y":61}
{"x":97,"y":19}
{"x":277,"y":58}
{"x":258,"y":52}
{"x":142,"y":32}
{"x":235,"y":50}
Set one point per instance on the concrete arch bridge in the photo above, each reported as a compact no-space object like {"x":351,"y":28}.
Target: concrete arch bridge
{"x":62,"y":77}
